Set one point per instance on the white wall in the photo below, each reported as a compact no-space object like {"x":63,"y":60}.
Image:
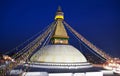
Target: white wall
{"x":79,"y":74}
{"x":94,"y":74}
{"x":61,"y":74}
{"x":35,"y":74}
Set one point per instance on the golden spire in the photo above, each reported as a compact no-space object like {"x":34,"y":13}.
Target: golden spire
{"x":60,"y":35}
{"x":59,"y":14}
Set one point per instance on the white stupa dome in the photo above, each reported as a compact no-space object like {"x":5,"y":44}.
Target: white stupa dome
{"x":58,"y":54}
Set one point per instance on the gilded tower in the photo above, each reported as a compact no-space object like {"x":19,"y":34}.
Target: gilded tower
{"x":60,"y":35}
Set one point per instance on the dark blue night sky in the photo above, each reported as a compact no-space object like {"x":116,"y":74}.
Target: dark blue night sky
{"x":97,"y":20}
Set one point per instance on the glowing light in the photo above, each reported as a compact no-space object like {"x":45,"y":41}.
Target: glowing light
{"x":59,"y":17}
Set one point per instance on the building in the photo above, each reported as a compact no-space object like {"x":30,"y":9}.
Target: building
{"x":59,"y":58}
